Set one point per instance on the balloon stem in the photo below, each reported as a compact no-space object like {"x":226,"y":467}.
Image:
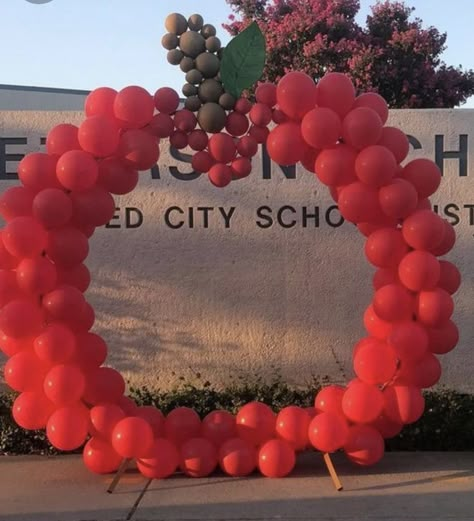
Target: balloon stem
{"x":332,"y":472}
{"x":121,"y":470}
{"x":138,"y":501}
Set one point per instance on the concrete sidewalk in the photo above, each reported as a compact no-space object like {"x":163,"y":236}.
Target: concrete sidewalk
{"x":405,"y":486}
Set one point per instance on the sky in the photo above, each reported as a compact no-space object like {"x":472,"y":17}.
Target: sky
{"x":83,"y":44}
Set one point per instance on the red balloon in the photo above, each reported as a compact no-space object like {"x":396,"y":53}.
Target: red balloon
{"x":260,"y":134}
{"x":309,"y":159}
{"x":64,"y":385}
{"x":133,"y":107}
{"x":12,"y":346}
{"x":375,"y":165}
{"x":94,"y":207}
{"x":128,"y":406}
{"x":179,"y":139}
{"x":450,"y":277}
{"x":435,"y":307}
{"x":61,"y":139}
{"x":387,"y":428}
{"x":241,"y":167}
{"x":292,"y":426}
{"x":443,"y":339}
{"x":7,"y":260}
{"x":103,"y":419}
{"x":410,"y":341}
{"x":24,"y":237}
{"x":100,"y":102}
{"x":198,"y":458}
{"x":243,"y":106}
{"x":99,"y":135}
{"x":9,"y":289}
{"x":361,"y":128}
{"x":321,"y":127}
{"x":166,"y":100}
{"x":424,"y":175}
{"x":64,"y":303}
{"x":132,"y":438}
{"x":359,"y":203}
{"x":279,"y":117}
{"x":296,"y":94}
{"x":103,"y":384}
{"x":77,"y":170}
{"x":154,"y":417}
{"x":21,"y":318}
{"x":218,"y":427}
{"x":365,"y":445}
{"x":329,"y":399}
{"x":393,"y":302}
{"x":198,"y":140}
{"x":237,"y":124}
{"x":375,"y":326}
{"x":285,"y":145}
{"x":384,"y":276}
{"x":31,"y":410}
{"x":403,"y":404}
{"x":77,"y":276}
{"x":67,"y":246}
{"x":185,"y":120}
{"x":161,"y":125}
{"x":276,"y":459}
{"x":37,"y":171}
{"x":115,"y":177}
{"x":423,"y":230}
{"x":138,"y":149}
{"x":17,"y":201}
{"x":67,"y":427}
{"x":52,"y":208}
{"x":222,"y":147}
{"x":385,"y":248}
{"x":398,"y":199}
{"x":375,"y":362}
{"x":336,"y":91}
{"x":91,"y":351}
{"x":419,"y":270}
{"x":100,"y":458}
{"x":237,"y":457}
{"x":373,"y":101}
{"x":260,"y":115}
{"x":36,"y":276}
{"x":161,"y":462}
{"x":202,"y":162}
{"x":335,"y":166}
{"x":220,"y":175}
{"x":256,"y":423}
{"x":328,"y":432}
{"x":422,"y":374}
{"x":247,"y":146}
{"x":24,"y":372}
{"x":447,"y":242}
{"x":55,"y":345}
{"x":182,"y":424}
{"x":362,"y":402}
{"x":266,"y":93}
{"x":396,"y":141}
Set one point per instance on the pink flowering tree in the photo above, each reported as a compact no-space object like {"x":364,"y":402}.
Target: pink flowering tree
{"x":393,"y":54}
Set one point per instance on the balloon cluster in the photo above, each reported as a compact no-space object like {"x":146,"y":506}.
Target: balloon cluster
{"x":56,"y":362}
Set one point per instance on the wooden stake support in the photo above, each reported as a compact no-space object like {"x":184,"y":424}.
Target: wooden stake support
{"x":138,"y":501}
{"x":121,"y":470}
{"x":332,"y":472}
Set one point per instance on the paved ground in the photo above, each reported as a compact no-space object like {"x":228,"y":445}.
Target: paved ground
{"x":429,"y":486}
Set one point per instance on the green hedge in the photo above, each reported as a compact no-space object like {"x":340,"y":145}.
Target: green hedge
{"x":447,"y":425}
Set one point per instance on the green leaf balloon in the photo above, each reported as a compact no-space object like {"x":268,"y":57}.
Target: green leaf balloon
{"x":243,"y":60}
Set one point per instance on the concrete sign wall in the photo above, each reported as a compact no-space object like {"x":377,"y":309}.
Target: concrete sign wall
{"x":264,"y":274}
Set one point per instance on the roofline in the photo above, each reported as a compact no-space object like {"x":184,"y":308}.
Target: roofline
{"x":52,"y":90}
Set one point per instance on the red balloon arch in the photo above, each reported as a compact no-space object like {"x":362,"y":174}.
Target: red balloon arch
{"x":57,"y":364}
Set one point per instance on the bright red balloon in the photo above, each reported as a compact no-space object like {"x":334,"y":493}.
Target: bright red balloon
{"x":99,"y":135}
{"x":443,"y":339}
{"x":424,"y":175}
{"x":21,"y":318}
{"x":77,"y":170}
{"x":24,"y":372}
{"x":362,"y":403}
{"x":321,"y":127}
{"x":241,"y":167}
{"x":385,"y":248}
{"x":247,"y":146}
{"x":358,"y":203}
{"x":198,"y":457}
{"x":61,"y":139}
{"x":396,"y":141}
{"x":419,"y":270}
{"x":260,"y":115}
{"x":166,"y":100}
{"x":373,"y":101}
{"x":328,"y":432}
{"x":260,"y":134}
{"x":64,"y":303}
{"x":393,"y":302}
{"x":256,"y":423}
{"x":285,"y":145}
{"x":409,"y":339}
{"x":218,"y":427}
{"x":375,"y":362}
{"x":67,"y":427}
{"x":11,"y":346}
{"x":182,"y":424}
{"x":52,"y":208}
{"x":296,"y":94}
{"x":435,"y":307}
{"x":276,"y":459}
{"x":37,"y":171}
{"x":423,"y":230}
{"x":384,"y":276}
{"x":138,"y":149}
{"x":55,"y":345}
{"x":329,"y":399}
{"x":133,"y":107}
{"x":100,"y":457}
{"x":222,"y":147}
{"x":103,"y":419}
{"x":154,"y":417}
{"x":375,"y":165}
{"x":36,"y":276}
{"x":16,"y":201}
{"x":7,"y":260}
{"x":9,"y":289}
{"x":292,"y":426}
{"x":450,"y":277}
{"x":365,"y":445}
{"x":132,"y":438}
{"x":237,"y":457}
{"x":64,"y":385}
{"x":335,"y":166}
{"x":100,"y":102}
{"x":24,"y":237}
{"x":361,"y":128}
{"x":403,"y":404}
{"x":220,"y":175}
{"x":67,"y":246}
{"x":375,"y":326}
{"x":116,"y":177}
{"x":398,"y":199}
{"x":31,"y":410}
{"x":336,"y":91}
{"x":161,"y":461}
{"x":103,"y":384}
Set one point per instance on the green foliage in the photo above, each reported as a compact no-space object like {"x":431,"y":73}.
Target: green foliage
{"x":243,"y":60}
{"x":447,"y":425}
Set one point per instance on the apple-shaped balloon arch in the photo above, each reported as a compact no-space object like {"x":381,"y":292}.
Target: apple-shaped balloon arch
{"x":57,"y":364}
